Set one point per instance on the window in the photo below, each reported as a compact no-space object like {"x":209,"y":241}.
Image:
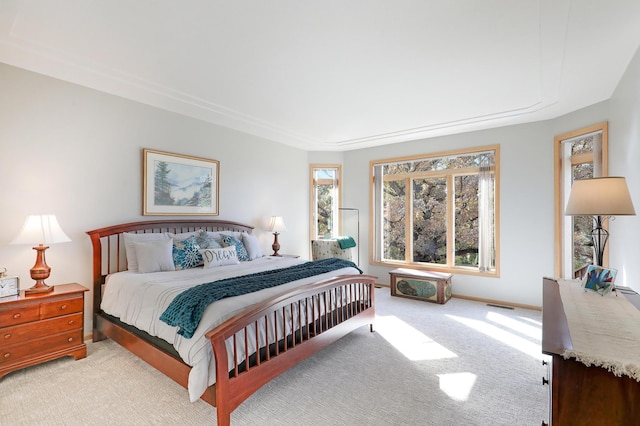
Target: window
{"x":325,"y":201}
{"x":581,"y":154}
{"x":437,"y":210}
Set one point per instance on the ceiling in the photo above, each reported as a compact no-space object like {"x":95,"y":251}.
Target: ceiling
{"x":334,"y":74}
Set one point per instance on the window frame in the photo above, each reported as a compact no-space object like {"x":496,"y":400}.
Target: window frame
{"x":312,"y":196}
{"x":450,"y":267}
{"x":561,"y":191}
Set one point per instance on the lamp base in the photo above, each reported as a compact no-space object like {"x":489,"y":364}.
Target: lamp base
{"x":39,"y":288}
{"x":599,"y":236}
{"x":39,"y":273}
{"x":276,"y":245}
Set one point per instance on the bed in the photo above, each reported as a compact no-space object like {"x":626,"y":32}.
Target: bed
{"x":253,"y":338}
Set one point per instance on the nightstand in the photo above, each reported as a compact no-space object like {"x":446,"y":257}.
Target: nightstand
{"x":39,"y":328}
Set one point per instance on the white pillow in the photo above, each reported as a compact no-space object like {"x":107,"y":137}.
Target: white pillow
{"x":155,"y":256}
{"x":219,"y":256}
{"x":252,"y":245}
{"x":130,"y":251}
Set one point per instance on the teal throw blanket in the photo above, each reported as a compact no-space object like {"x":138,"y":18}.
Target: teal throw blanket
{"x":346,"y":242}
{"x":186,"y":310}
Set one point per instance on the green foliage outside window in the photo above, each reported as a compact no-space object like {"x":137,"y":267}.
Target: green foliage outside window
{"x":325,"y":209}
{"x":423,"y":186}
{"x":466,"y":229}
{"x":582,"y":225}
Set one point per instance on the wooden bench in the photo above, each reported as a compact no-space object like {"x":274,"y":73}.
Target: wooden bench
{"x":422,"y":285}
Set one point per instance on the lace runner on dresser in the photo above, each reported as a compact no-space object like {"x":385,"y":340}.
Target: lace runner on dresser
{"x":604,"y":330}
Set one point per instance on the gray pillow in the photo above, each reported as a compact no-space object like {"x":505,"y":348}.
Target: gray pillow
{"x":154,"y":256}
{"x":130,"y":251}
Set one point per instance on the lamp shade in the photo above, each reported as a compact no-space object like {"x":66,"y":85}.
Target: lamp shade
{"x":604,"y":196}
{"x":41,"y":229}
{"x":277,"y":224}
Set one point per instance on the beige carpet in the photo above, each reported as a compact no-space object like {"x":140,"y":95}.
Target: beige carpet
{"x":463,"y":363}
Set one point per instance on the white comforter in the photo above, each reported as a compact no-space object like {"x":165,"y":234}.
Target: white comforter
{"x":140,"y":299}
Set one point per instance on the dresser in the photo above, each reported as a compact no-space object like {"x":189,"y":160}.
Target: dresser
{"x":581,"y":395}
{"x":39,"y":328}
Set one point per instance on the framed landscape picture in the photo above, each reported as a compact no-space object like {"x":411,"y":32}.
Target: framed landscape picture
{"x":598,"y":279}
{"x":179,"y":184}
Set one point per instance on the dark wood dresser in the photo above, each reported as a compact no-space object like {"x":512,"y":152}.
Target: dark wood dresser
{"x":39,"y":328}
{"x":581,"y":395}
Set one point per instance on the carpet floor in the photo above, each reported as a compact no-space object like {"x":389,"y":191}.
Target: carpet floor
{"x":462,"y":363}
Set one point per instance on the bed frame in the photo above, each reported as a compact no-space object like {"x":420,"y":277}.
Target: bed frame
{"x":233,"y":387}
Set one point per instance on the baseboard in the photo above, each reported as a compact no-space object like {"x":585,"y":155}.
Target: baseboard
{"x":498,"y":302}
{"x":483,"y":300}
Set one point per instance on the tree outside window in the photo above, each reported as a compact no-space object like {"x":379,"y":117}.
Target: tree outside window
{"x":437,"y":210}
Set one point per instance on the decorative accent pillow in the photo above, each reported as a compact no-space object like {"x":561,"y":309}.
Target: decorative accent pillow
{"x":154,"y":256}
{"x":220,"y":256}
{"x":130,"y":238}
{"x":252,"y":245}
{"x":183,"y":235}
{"x":228,"y":240}
{"x":186,"y":253}
{"x":217,"y":235}
{"x":206,"y":241}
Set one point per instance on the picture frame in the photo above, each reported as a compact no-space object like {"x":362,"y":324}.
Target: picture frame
{"x":179,"y":185}
{"x":599,"y":279}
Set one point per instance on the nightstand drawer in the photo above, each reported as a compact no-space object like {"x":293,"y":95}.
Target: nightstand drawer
{"x":26,"y":332}
{"x":61,"y":307}
{"x":39,"y":328}
{"x":32,"y":349}
{"x":19,"y":315}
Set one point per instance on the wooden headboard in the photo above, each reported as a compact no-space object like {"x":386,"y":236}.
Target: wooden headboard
{"x":108,"y":244}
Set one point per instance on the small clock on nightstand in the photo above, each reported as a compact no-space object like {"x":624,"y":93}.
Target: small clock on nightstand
{"x":9,"y":286}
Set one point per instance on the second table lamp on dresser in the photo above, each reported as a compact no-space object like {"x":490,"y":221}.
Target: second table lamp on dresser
{"x":600,"y":197}
{"x":41,"y":230}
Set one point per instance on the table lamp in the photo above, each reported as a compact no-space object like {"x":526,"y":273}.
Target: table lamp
{"x":276,"y":225}
{"x":41,"y":230}
{"x":600,"y":197}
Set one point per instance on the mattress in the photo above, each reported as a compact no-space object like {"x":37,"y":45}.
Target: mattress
{"x":139,"y":300}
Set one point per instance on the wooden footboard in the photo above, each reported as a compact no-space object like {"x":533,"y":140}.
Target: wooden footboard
{"x":317,"y":315}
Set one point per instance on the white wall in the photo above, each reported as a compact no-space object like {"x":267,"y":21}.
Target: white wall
{"x":526,"y":193}
{"x":526,"y":196}
{"x":526,"y":206}
{"x":49,"y":130}
{"x":77,"y":153}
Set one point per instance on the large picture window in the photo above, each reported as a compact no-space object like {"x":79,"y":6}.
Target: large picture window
{"x":437,"y":210}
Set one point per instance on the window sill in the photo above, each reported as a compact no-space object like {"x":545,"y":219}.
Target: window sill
{"x":438,"y":268}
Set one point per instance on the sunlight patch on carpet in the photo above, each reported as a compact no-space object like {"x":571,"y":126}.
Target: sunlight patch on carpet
{"x":516,"y":325}
{"x":519,"y":343}
{"x":410,"y":342}
{"x":532,"y":321}
{"x":457,"y":385}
